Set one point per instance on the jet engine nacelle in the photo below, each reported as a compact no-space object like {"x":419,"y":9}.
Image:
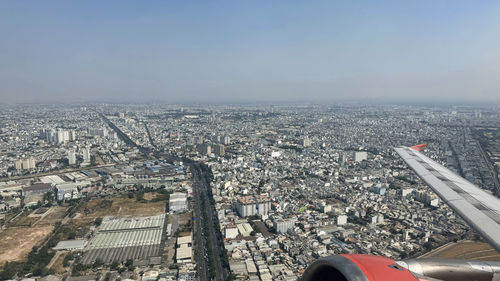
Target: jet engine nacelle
{"x":373,"y":268}
{"x":356,"y":268}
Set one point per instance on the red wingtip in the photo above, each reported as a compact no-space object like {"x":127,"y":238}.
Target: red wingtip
{"x":419,"y":146}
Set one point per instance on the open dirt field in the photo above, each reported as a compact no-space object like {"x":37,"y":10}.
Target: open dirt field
{"x":185,"y":218}
{"x":467,"y":250}
{"x":55,"y":214}
{"x":119,"y":206}
{"x":150,"y":196}
{"x":50,"y":217}
{"x":57,"y":263}
{"x":16,"y":242}
{"x":24,"y":221}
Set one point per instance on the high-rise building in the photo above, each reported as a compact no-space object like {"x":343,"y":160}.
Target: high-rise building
{"x":72,"y":135}
{"x":226,"y":140}
{"x":222,"y":139}
{"x":216,"y":139}
{"x":251,"y":206}
{"x":25,"y":164}
{"x":406,"y":235}
{"x":219,"y":149}
{"x":246,"y":206}
{"x":58,"y":135}
{"x":205,"y":149}
{"x":86,"y":154}
{"x":283,"y":225}
{"x":341,"y":220}
{"x":263,"y":205}
{"x":28,"y":163}
{"x":405,"y":192}
{"x":18,"y":164}
{"x":98,"y":132}
{"x":71,"y":157}
{"x":306,"y":142}
{"x":377,"y":219}
{"x":427,"y":198}
{"x":61,"y":136}
{"x":48,"y":135}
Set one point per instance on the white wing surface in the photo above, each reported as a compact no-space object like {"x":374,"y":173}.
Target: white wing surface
{"x":478,"y":208}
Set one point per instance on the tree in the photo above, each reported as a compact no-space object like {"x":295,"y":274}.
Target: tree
{"x":114,"y":265}
{"x":97,"y":221}
{"x":67,"y":258}
{"x":9,"y":270}
{"x":139,"y":196}
{"x":428,"y":246}
{"x":48,"y":196}
{"x":98,"y":263}
{"x":232,"y":276}
{"x":107,"y":277}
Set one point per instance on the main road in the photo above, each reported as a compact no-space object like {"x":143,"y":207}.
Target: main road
{"x":200,"y":239}
{"x":208,"y":239}
{"x":208,"y":234}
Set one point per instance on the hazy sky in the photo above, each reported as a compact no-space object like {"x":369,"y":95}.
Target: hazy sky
{"x":249,"y":51}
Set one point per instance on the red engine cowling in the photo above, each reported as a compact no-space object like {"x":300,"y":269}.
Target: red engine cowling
{"x":357,"y":268}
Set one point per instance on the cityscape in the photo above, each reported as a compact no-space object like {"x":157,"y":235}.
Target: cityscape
{"x":229,"y":192}
{"x":249,"y":140}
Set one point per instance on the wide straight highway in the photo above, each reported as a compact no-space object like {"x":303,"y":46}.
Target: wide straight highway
{"x":200,"y":238}
{"x":209,"y":246}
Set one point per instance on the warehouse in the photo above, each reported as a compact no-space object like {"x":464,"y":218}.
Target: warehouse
{"x":245,"y":229}
{"x":120,"y":239}
{"x":37,"y":188}
{"x":184,"y":249}
{"x":177,"y":202}
{"x":70,"y":245}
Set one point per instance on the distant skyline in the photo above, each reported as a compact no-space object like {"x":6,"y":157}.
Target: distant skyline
{"x":250,"y":51}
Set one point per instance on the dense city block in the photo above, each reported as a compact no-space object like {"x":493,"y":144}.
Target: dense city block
{"x":228,"y":192}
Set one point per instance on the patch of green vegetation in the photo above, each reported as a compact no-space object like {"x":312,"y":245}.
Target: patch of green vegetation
{"x":69,"y":257}
{"x":37,"y":262}
{"x":161,"y":195}
{"x":97,"y":221}
{"x":101,"y":205}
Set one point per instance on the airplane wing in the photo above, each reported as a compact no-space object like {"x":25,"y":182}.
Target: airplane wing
{"x":478,"y":208}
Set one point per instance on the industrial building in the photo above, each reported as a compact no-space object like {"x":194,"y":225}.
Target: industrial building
{"x":245,"y":229}
{"x":177,"y":202}
{"x":120,"y":239}
{"x":66,"y":191}
{"x":184,"y":249}
{"x":70,"y":245}
{"x":231,"y":232}
{"x":37,"y":188}
{"x":360,"y":156}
